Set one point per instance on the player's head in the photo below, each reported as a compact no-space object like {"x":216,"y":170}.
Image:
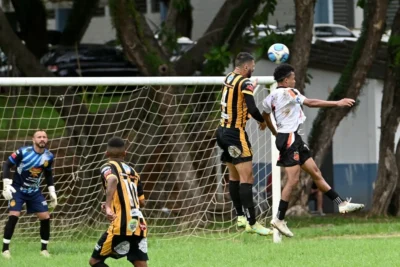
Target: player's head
{"x":284,"y":75}
{"x":39,"y":139}
{"x":245,"y":63}
{"x":116,"y":148}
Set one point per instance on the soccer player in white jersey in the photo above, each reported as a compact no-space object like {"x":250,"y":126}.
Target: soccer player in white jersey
{"x":285,"y":105}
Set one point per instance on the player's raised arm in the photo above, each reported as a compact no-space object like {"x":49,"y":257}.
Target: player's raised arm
{"x":247,"y":90}
{"x":317,"y":103}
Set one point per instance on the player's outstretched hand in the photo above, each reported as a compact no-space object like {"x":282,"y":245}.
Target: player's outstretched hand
{"x":262,"y":125}
{"x":255,"y":83}
{"x":346,"y":102}
{"x":8,"y":189}
{"x":110,"y":214}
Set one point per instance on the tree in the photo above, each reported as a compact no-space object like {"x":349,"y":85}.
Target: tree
{"x":387,"y":181}
{"x":350,"y":85}
{"x":32,"y":19}
{"x":179,"y":19}
{"x":300,"y":51}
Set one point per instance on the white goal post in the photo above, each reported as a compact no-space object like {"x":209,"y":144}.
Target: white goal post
{"x":169,"y":125}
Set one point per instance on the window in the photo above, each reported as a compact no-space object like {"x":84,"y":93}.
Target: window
{"x":141,"y":5}
{"x":155,"y":6}
{"x":343,"y":32}
{"x":323,"y":32}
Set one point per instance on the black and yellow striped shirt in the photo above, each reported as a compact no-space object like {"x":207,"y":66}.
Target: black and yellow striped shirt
{"x":125,"y":204}
{"x":234,"y":111}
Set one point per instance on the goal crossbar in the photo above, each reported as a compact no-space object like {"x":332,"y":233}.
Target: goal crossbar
{"x":105,"y":81}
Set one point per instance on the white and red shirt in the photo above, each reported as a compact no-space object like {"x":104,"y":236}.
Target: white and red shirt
{"x":285,"y":103}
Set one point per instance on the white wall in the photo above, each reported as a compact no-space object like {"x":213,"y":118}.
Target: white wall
{"x":284,"y":13}
{"x":203,"y":14}
{"x":100,"y":29}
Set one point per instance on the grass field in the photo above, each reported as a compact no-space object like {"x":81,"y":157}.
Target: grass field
{"x":326,"y":241}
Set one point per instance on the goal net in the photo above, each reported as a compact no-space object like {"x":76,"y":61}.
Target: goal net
{"x":169,"y":126}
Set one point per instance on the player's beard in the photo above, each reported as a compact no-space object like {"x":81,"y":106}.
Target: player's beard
{"x":249,"y":72}
{"x":41,"y":144}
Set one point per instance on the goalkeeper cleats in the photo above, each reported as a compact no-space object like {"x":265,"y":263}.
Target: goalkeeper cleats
{"x":281,"y":226}
{"x":6,"y":254}
{"x":45,"y":253}
{"x":258,"y":229}
{"x":346,"y":206}
{"x":241,"y":221}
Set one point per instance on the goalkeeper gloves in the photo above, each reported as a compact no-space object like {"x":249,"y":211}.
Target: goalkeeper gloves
{"x":8,"y":189}
{"x":53,"y":197}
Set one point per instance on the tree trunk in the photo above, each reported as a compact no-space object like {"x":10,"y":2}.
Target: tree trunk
{"x":349,"y":85}
{"x":179,"y":18}
{"x":32,"y":19}
{"x":394,"y":206}
{"x":388,"y":174}
{"x":302,"y":40}
{"x":138,"y":40}
{"x":231,"y":20}
{"x":78,"y":21}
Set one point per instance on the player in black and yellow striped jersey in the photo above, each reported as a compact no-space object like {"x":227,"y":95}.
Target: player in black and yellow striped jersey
{"x":237,"y":107}
{"x":126,"y":235}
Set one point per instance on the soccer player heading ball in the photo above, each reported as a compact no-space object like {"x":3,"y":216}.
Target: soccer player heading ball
{"x":285,"y":103}
{"x":127,"y":233}
{"x":32,"y":163}
{"x":237,"y":106}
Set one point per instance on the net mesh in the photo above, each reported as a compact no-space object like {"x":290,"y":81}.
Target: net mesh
{"x":170,"y":132}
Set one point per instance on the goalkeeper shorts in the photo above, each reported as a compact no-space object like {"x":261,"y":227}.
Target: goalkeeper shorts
{"x":35,"y":202}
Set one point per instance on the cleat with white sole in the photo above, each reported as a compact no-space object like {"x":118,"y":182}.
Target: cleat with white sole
{"x":281,"y":226}
{"x":347,"y":206}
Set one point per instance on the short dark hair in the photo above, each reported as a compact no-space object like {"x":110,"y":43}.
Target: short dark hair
{"x":243,"y":57}
{"x":282,"y":71}
{"x":115,"y":147}
{"x":38,"y":130}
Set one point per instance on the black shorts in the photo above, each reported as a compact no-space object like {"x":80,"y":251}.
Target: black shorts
{"x":292,"y":150}
{"x":117,"y":246}
{"x":235,"y":145}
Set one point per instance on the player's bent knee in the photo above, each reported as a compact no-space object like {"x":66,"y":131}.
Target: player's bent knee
{"x":140,"y":263}
{"x":97,"y":263}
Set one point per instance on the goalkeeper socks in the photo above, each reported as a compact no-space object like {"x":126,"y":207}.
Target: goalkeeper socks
{"x":283,"y":206}
{"x":100,"y":264}
{"x":45,"y":233}
{"x":9,"y":231}
{"x":246,"y":196}
{"x":334,"y":196}
{"x":234,"y":191}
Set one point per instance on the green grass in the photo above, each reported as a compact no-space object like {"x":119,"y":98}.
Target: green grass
{"x":329,"y":241}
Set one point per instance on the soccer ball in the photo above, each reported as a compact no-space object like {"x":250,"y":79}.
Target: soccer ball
{"x":278,"y":53}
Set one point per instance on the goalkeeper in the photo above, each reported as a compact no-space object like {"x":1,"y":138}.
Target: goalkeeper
{"x":32,"y":162}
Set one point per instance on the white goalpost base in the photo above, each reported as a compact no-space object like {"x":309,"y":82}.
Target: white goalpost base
{"x":169,"y":125}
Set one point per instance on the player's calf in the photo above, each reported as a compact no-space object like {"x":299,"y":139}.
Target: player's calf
{"x":8,"y":232}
